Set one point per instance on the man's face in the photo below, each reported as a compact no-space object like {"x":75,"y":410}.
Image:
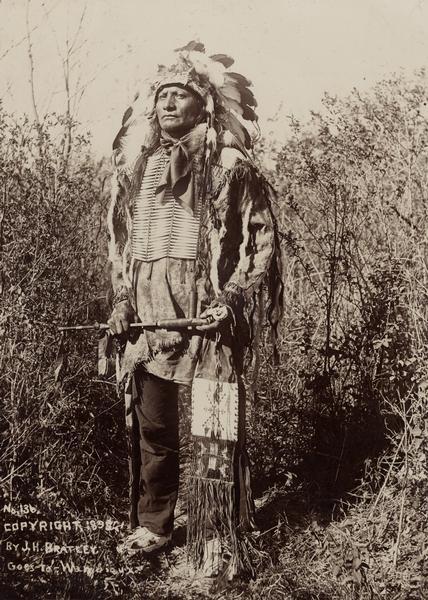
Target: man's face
{"x":177,"y":110}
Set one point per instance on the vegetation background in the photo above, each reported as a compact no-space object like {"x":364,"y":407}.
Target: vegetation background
{"x":339,"y":430}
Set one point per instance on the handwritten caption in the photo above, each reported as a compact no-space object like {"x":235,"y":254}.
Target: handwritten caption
{"x":42,"y":552}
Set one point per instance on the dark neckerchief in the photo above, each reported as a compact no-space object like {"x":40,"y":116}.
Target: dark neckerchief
{"x":178,"y":172}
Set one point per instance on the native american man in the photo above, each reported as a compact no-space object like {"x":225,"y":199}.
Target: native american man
{"x":192,"y":234}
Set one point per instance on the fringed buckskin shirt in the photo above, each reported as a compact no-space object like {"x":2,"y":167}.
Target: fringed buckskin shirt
{"x":160,"y":263}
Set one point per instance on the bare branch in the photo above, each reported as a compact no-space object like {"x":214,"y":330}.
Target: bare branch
{"x":78,"y":30}
{"x":23,"y":39}
{"x":31,"y":60}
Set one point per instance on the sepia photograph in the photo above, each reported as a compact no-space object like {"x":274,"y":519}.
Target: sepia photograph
{"x":214,"y":300}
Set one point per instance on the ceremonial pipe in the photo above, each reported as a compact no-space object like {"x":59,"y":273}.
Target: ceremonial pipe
{"x":161,"y":324}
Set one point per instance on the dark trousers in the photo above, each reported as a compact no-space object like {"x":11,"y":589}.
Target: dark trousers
{"x":156,"y":409}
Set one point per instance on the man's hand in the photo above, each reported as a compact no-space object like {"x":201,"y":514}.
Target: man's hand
{"x":121,"y":318}
{"x":217,"y":316}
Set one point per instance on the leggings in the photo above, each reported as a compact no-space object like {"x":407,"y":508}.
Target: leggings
{"x":156,"y":409}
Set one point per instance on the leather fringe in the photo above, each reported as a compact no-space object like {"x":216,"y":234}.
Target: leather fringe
{"x":212,"y":513}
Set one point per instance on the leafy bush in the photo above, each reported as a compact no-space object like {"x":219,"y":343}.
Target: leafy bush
{"x":353,"y":210}
{"x":57,"y":440}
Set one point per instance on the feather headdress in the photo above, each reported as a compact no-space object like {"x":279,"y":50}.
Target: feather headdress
{"x":228,"y":101}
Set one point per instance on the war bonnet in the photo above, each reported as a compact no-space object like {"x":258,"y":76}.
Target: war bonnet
{"x":228,"y":101}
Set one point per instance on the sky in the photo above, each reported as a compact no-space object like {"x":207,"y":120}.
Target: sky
{"x":292,"y":50}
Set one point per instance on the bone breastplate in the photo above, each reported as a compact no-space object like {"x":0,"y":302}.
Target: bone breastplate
{"x":161,"y":227}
